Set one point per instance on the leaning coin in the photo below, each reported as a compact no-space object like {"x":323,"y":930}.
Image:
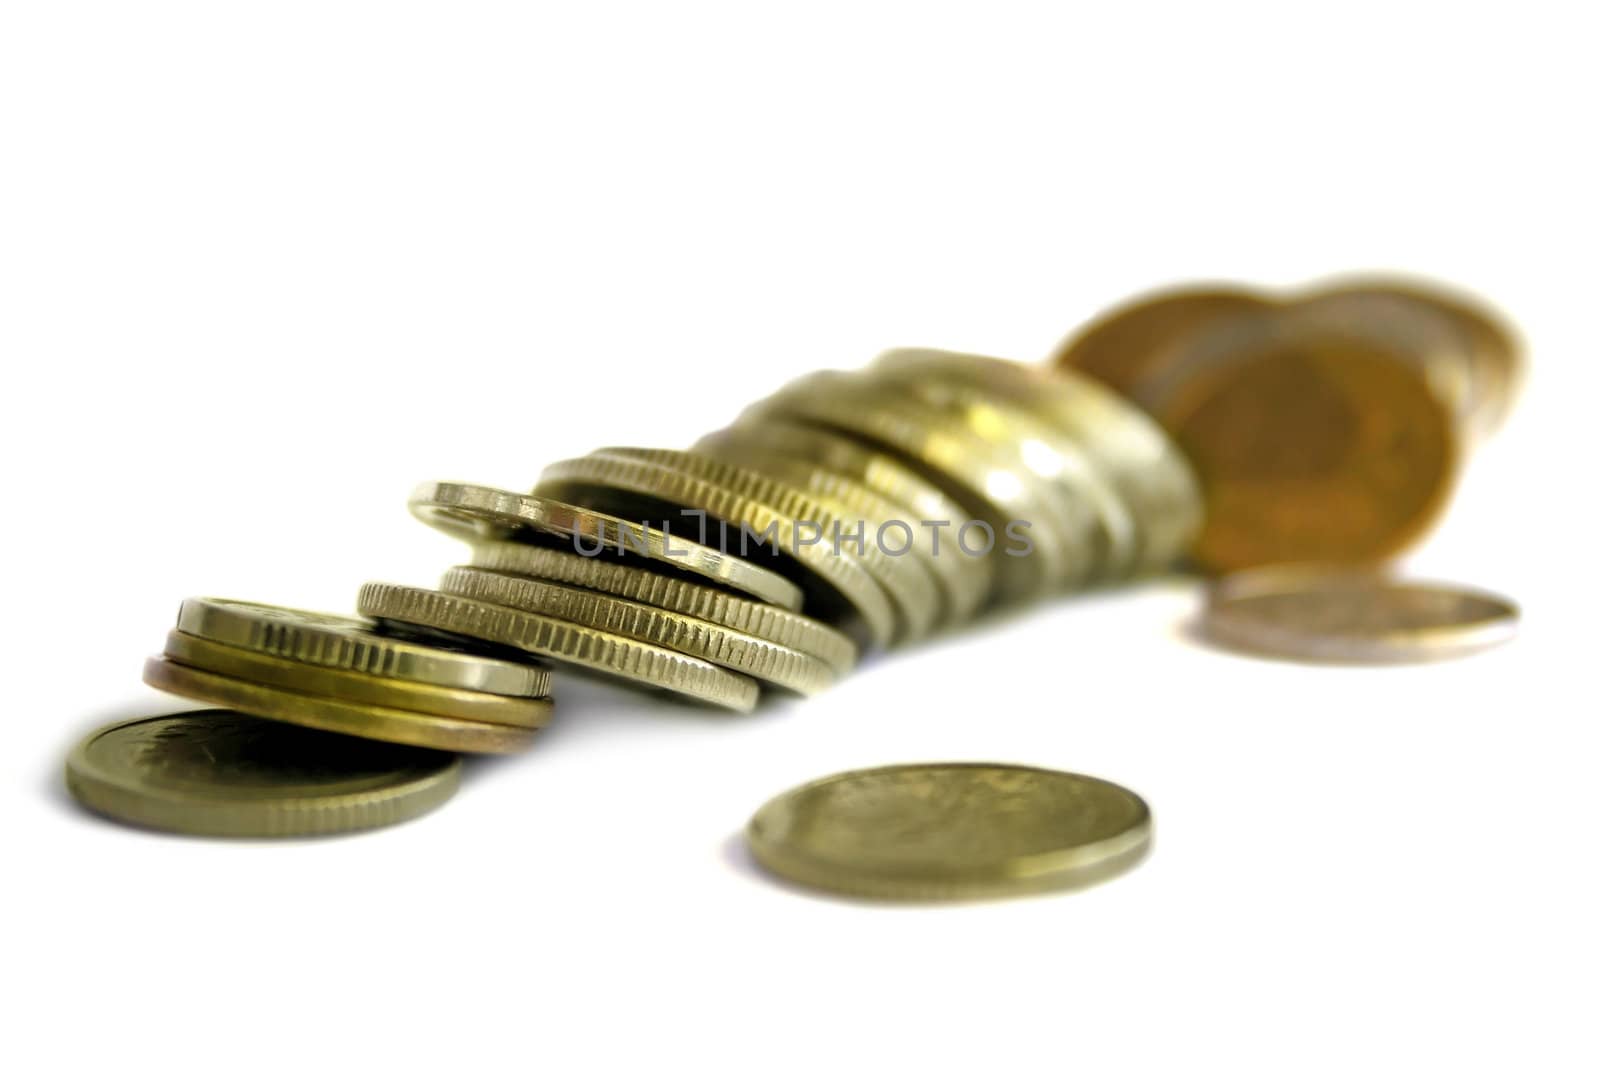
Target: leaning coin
{"x":839,"y":588}
{"x":905,"y":577}
{"x":950,"y":831}
{"x":224,"y":659}
{"x":1494,"y":352}
{"x":351,"y":644}
{"x":478,"y":514}
{"x":835,"y":465}
{"x":217,"y":773}
{"x":763,"y":660}
{"x":1310,"y":447}
{"x":1129,"y":343}
{"x":1352,"y":616}
{"x":614,"y":578}
{"x":336,"y":716}
{"x":619,"y":657}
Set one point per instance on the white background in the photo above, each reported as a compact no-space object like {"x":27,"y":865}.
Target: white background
{"x":263,"y":267}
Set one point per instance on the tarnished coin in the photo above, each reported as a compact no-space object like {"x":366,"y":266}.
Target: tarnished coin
{"x":789,"y":628}
{"x":474,"y":706}
{"x":792,"y":531}
{"x":1130,"y":342}
{"x":950,"y":831}
{"x":763,"y":660}
{"x":1354,"y":616}
{"x":335,"y":715}
{"x":217,"y":773}
{"x":1309,"y":447}
{"x":478,"y":514}
{"x":619,"y":657}
{"x":343,"y":643}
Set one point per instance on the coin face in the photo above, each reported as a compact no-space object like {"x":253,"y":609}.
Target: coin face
{"x":1322,"y":615}
{"x":1129,"y":343}
{"x":217,"y":773}
{"x":950,"y":831}
{"x":1492,"y":369}
{"x":1308,"y":448}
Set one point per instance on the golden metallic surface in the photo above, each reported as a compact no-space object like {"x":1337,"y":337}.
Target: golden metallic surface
{"x":229,"y":661}
{"x":343,"y":643}
{"x":217,"y":773}
{"x":966,"y":579}
{"x":950,"y":831}
{"x":994,"y":487}
{"x":762,"y":620}
{"x":1355,"y":616}
{"x":774,"y":664}
{"x":1130,"y":343}
{"x":1486,"y":382}
{"x":1309,"y":447}
{"x":478,"y":514}
{"x":1094,"y":521}
{"x":1128,"y":448}
{"x":911,"y":585}
{"x":622,"y":658}
{"x":839,"y":588}
{"x":335,"y":715}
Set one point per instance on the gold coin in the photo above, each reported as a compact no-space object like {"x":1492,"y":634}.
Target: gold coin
{"x":478,"y":514}
{"x":217,"y":773}
{"x":1354,"y":616}
{"x":763,"y":660}
{"x":950,"y":831}
{"x":768,"y":622}
{"x":839,"y":589}
{"x":912,"y":588}
{"x":1127,"y":447}
{"x":1094,"y":521}
{"x":1130,"y":342}
{"x":966,"y":578}
{"x":991,"y":485}
{"x":343,"y":643}
{"x":1309,"y":447}
{"x":1485,"y":386}
{"x":334,"y":715}
{"x":620,"y":657}
{"x":224,"y":659}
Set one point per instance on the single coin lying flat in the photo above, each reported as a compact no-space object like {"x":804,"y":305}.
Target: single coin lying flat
{"x":1352,"y":616}
{"x":950,"y":831}
{"x":218,"y":773}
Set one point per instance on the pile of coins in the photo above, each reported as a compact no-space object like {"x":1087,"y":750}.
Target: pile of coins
{"x":1325,"y":426}
{"x":846,"y":513}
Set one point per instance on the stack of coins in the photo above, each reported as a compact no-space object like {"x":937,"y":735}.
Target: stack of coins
{"x":854,"y":511}
{"x":338,"y":674}
{"x":1325,"y":426}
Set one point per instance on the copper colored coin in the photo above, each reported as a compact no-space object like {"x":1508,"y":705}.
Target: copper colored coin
{"x":1129,"y":343}
{"x":1308,"y":447}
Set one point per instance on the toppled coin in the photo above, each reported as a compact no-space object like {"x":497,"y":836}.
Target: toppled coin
{"x":217,"y":773}
{"x":950,"y":831}
{"x":1352,"y":616}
